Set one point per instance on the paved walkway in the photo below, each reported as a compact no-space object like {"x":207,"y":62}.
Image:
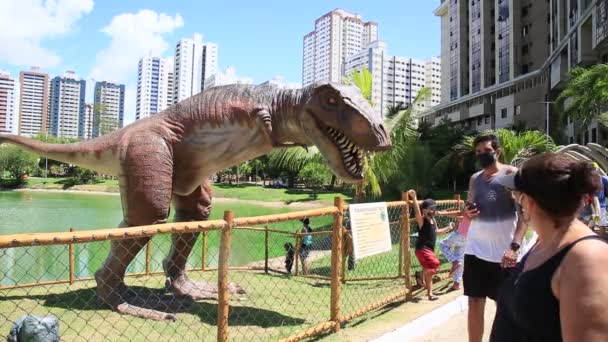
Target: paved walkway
{"x":455,"y":329}
{"x":447,"y":323}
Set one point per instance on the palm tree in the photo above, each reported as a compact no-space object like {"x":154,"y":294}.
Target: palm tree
{"x":587,"y":95}
{"x":515,"y":146}
{"x":378,"y":168}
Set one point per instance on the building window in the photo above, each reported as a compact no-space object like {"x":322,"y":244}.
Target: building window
{"x":487,"y":120}
{"x":479,"y":121}
{"x":586,"y":137}
{"x":517,"y":110}
{"x":503,"y":113}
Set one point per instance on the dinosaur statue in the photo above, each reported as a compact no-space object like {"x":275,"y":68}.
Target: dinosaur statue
{"x":170,"y":156}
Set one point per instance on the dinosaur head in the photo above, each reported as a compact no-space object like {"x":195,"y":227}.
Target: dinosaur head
{"x":343,"y":125}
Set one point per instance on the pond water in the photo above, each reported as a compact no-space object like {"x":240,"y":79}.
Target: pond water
{"x":30,"y":212}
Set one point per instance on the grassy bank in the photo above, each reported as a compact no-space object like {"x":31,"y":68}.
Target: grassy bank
{"x":241,"y":191}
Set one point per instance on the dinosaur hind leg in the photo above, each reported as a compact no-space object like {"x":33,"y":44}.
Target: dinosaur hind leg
{"x":145,"y":189}
{"x":194,"y":207}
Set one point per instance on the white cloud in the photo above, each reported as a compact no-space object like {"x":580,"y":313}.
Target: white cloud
{"x":229,"y":76}
{"x":133,"y":35}
{"x":24,"y":24}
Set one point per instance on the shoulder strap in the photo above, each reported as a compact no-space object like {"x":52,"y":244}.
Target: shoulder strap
{"x":561,"y":254}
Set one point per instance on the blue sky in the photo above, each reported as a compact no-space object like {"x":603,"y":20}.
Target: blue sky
{"x":103,"y":40}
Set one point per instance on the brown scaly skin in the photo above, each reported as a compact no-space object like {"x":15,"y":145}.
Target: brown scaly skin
{"x":170,"y":156}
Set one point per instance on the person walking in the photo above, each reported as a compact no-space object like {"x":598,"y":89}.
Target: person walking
{"x":494,"y":235}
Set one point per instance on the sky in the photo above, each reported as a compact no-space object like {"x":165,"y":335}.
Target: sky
{"x":257,"y":40}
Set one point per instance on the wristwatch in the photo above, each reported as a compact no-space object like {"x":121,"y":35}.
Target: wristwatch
{"x":515,"y":246}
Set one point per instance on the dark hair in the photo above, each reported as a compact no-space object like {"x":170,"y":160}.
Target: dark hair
{"x":306,"y":221}
{"x":288,"y":246}
{"x":487,"y":137}
{"x":558,"y":183}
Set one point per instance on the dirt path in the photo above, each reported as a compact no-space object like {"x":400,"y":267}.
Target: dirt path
{"x":271,"y":204}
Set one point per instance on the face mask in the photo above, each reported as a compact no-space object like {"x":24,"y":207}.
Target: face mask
{"x":487,"y":159}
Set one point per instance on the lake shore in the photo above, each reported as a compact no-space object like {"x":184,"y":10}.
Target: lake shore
{"x":268,"y":204}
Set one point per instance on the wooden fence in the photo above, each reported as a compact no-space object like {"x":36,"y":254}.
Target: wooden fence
{"x":229,"y":224}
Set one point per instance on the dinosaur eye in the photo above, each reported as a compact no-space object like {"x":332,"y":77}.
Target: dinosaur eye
{"x":332,"y":101}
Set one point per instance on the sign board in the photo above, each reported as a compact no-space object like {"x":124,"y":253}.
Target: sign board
{"x":370,"y":229}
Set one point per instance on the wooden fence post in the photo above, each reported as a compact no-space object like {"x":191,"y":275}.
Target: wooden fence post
{"x":402,"y":234}
{"x":297,"y":254}
{"x":148,"y":255}
{"x":343,"y":274}
{"x":266,"y":249}
{"x":336,"y":256}
{"x":71,"y":262}
{"x":407,"y":254}
{"x":204,"y":251}
{"x":222,"y":279}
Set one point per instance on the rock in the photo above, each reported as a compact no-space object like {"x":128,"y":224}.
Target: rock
{"x":35,"y":329}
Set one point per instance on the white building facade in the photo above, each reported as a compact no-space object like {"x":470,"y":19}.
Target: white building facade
{"x":396,"y":79}
{"x":9,"y":104}
{"x":195,"y":62}
{"x":88,"y":121}
{"x":154,"y":86}
{"x":338,"y":35}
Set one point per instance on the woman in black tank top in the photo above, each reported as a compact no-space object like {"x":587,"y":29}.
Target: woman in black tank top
{"x":557,"y":292}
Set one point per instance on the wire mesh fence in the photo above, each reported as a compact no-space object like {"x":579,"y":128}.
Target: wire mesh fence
{"x":247,"y":278}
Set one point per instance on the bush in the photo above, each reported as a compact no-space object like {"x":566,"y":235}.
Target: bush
{"x":314,"y":175}
{"x":17,"y":162}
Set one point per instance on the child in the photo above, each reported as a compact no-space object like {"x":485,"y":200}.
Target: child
{"x":427,"y":237}
{"x":290,"y":256}
{"x":453,"y":249}
{"x":306,"y":244}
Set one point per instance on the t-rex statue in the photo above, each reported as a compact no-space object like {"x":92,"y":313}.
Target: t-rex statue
{"x":171,"y":155}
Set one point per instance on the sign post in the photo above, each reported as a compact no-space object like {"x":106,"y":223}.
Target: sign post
{"x":370,"y":229}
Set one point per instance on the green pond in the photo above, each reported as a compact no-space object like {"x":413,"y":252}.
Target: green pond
{"x":31,"y":212}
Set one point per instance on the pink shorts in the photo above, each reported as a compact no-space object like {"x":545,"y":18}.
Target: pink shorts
{"x":427,"y":259}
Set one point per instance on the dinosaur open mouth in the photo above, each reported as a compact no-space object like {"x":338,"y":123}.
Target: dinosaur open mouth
{"x":352,"y":155}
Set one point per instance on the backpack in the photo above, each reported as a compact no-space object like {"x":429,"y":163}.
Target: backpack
{"x":307,"y":240}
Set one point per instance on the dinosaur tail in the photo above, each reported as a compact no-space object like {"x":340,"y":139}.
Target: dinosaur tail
{"x":86,"y":154}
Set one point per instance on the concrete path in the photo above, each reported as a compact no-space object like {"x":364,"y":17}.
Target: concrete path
{"x":455,"y":329}
{"x":447,"y":323}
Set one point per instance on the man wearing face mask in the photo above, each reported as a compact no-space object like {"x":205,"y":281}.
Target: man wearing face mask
{"x":495,"y":235}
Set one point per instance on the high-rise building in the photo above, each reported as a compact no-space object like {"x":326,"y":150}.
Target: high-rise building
{"x":338,"y":35}
{"x":170,"y":88}
{"x":154,"y":86}
{"x":34,"y":102}
{"x":108,"y":107}
{"x":68,"y":106}
{"x":195,"y":62}
{"x":88,"y":121}
{"x":503,"y":60}
{"x":9,"y":103}
{"x":396,"y":80}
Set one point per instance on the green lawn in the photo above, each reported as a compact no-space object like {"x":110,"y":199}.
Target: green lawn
{"x":259,"y":193}
{"x":275,"y":306}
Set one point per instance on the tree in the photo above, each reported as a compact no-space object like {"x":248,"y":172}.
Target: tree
{"x":314,"y":175}
{"x":515,"y":147}
{"x":585,"y":96}
{"x":17,"y":162}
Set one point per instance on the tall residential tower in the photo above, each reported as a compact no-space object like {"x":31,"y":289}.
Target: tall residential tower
{"x":34,"y":102}
{"x":108,"y":107}
{"x":154,"y":86}
{"x":195,"y":61}
{"x":338,"y":35}
{"x":68,"y":106}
